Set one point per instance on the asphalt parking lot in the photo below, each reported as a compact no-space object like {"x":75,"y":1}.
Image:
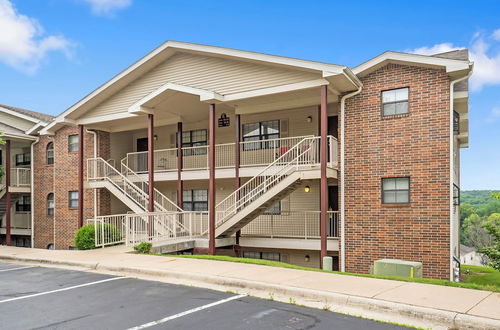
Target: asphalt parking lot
{"x":51,"y":298}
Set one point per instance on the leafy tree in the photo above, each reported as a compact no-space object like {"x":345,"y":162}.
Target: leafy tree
{"x":493,"y":250}
{"x":474,"y":233}
{"x":466,"y":210}
{"x":495,"y":195}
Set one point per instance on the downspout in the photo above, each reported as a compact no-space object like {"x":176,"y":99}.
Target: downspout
{"x":32,"y":177}
{"x":342,"y":176}
{"x":452,"y":166}
{"x":95,"y":156}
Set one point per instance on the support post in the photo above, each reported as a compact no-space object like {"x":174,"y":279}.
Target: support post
{"x":151,"y":170}
{"x":180,"y":185}
{"x":80,"y":175}
{"x":237,"y":163}
{"x":323,"y":160}
{"x":211,"y":181}
{"x":7,"y":193}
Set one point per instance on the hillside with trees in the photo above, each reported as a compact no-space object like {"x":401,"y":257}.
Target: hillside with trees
{"x":478,"y":209}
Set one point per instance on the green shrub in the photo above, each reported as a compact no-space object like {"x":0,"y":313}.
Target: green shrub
{"x":85,"y":238}
{"x":143,"y":247}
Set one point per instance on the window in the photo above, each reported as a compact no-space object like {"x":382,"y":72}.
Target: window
{"x":73,"y":199}
{"x":275,"y":256}
{"x":193,"y":139}
{"x":23,"y":159}
{"x":24,"y":204}
{"x":50,"y":204}
{"x":73,"y":143}
{"x":395,"y":102}
{"x":265,"y":130}
{"x":395,"y":190}
{"x":195,"y":200}
{"x":275,"y":209}
{"x":50,"y":153}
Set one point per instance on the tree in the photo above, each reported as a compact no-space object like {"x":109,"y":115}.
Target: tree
{"x":474,"y":233}
{"x":493,"y":250}
{"x":495,"y":195}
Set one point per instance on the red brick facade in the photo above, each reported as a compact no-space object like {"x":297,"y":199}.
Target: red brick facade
{"x":61,"y":178}
{"x":414,"y":145}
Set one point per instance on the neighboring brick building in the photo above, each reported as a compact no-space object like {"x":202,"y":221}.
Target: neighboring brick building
{"x":389,"y":168}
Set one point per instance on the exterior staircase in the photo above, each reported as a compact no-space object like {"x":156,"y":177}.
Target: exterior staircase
{"x":276,"y":181}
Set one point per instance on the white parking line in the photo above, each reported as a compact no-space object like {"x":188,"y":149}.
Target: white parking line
{"x":17,"y":268}
{"x":59,"y":290}
{"x":197,"y":309}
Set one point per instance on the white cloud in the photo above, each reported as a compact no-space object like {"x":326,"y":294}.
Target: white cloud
{"x":486,"y":61}
{"x":107,"y":7}
{"x":494,"y":115}
{"x":496,"y":35}
{"x":24,"y":46}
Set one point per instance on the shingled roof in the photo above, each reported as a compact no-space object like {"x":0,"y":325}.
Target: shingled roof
{"x":37,"y":115}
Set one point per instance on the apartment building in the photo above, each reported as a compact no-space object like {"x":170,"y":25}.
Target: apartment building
{"x":18,"y":127}
{"x":202,"y":149}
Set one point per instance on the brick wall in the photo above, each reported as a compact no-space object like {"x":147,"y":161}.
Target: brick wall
{"x":60,"y":178}
{"x":414,"y":145}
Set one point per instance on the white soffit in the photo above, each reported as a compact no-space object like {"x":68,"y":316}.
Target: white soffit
{"x":455,"y":68}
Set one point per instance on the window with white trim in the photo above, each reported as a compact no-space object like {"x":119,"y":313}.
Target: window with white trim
{"x":194,"y":138}
{"x":73,"y":143}
{"x":264,"y":130}
{"x":50,"y":204}
{"x":73,"y":199}
{"x":395,"y":101}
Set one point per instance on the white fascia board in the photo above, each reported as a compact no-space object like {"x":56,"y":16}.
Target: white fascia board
{"x":431,"y":61}
{"x":205,"y":96}
{"x":35,"y":127}
{"x":104,"y":118}
{"x":311,"y":65}
{"x":19,"y":115}
{"x":19,"y":136}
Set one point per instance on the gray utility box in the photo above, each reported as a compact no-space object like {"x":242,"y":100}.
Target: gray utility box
{"x":394,"y":267}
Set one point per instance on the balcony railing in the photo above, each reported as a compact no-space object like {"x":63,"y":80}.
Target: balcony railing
{"x":20,"y":177}
{"x":252,"y":153}
{"x":300,"y":224}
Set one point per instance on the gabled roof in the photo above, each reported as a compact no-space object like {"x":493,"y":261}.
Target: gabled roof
{"x":169,"y":48}
{"x":455,"y":68}
{"x":28,"y":114}
{"x":13,"y":132}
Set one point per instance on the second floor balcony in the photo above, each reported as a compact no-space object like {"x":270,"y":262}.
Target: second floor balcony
{"x":258,"y":153}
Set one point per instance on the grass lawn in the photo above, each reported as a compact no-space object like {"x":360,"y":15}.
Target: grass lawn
{"x":485,"y":276}
{"x":481,"y":278}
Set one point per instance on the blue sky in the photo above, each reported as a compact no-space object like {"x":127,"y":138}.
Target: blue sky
{"x":57,"y":51}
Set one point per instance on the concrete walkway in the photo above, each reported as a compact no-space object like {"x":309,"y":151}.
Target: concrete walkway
{"x":410,"y":303}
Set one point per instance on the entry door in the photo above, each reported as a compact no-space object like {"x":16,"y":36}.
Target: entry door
{"x":333,"y":126}
{"x":142,"y":159}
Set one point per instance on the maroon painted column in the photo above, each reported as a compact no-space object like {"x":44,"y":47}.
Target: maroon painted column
{"x":180,"y":185}
{"x":323,"y":181}
{"x":151,"y":170}
{"x":7,"y":193}
{"x":80,"y":175}
{"x":211,"y":180}
{"x":237,"y":162}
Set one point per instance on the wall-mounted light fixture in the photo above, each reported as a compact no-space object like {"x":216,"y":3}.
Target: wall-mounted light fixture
{"x":155,"y":137}
{"x":309,"y":119}
{"x":307,"y":258}
{"x":307,"y":189}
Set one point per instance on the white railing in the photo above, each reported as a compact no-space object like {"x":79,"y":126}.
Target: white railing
{"x":20,"y":177}
{"x":148,"y":227}
{"x":293,"y":224}
{"x":304,"y":153}
{"x":162,"y":202}
{"x":252,"y":153}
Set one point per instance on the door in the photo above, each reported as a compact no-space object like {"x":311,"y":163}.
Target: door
{"x":142,"y":158}
{"x":333,"y":126}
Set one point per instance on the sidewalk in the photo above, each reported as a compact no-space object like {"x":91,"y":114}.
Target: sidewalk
{"x":403,"y":302}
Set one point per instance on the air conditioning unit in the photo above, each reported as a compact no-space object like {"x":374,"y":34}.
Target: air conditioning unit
{"x":395,"y":267}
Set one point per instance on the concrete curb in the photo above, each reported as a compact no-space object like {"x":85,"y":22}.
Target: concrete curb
{"x":341,"y":303}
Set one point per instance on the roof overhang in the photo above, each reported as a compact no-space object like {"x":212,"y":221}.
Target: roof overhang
{"x":454,"y":68}
{"x":339,"y":77}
